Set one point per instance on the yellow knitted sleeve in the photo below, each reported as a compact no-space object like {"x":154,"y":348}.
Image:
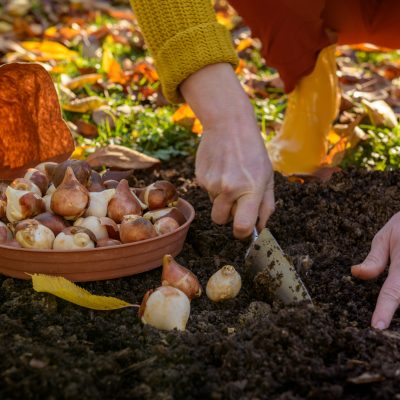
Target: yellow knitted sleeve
{"x":183,"y":36}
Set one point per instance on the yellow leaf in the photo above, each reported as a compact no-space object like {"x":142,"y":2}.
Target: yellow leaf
{"x":82,"y":80}
{"x":65,"y":289}
{"x":84,"y":105}
{"x":197,"y":127}
{"x":244,"y":44}
{"x":182,"y":113}
{"x":49,"y":50}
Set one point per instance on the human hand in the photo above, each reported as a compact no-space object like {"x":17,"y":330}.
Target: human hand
{"x":232,"y":163}
{"x":385,"y":249}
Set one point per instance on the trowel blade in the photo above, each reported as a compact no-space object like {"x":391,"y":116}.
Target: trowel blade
{"x":266,"y":256}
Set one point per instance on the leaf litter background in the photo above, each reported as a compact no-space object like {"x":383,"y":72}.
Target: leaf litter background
{"x":240,"y":349}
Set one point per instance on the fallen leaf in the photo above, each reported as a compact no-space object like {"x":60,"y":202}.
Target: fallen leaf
{"x":84,"y":105}
{"x":366,"y":377}
{"x":380,"y":113}
{"x":86,"y":129}
{"x":185,"y":116}
{"x":32,"y":129}
{"x":114,"y":156}
{"x":65,"y":289}
{"x":82,"y":80}
{"x":49,"y":50}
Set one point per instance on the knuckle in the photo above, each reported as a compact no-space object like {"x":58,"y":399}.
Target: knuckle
{"x":392,"y":292}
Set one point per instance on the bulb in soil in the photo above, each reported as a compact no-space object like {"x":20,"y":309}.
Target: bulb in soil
{"x":31,"y":234}
{"x":71,"y":198}
{"x":176,"y":275}
{"x":74,"y":238}
{"x":165,"y":308}
{"x":224,"y":284}
{"x":98,"y":203}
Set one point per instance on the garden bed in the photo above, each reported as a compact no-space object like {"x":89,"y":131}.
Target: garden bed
{"x":246,"y":348}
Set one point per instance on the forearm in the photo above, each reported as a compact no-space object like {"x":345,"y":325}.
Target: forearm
{"x":183,"y":37}
{"x":215,"y":95}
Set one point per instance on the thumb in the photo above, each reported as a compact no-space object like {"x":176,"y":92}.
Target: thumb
{"x":377,"y":259}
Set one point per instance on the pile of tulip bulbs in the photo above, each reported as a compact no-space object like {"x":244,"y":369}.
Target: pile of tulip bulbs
{"x":68,"y":206}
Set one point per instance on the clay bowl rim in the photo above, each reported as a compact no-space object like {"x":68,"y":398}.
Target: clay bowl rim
{"x":118,"y":246}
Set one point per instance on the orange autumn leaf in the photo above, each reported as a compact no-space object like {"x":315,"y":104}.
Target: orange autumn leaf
{"x":244,"y":44}
{"x":146,"y":70}
{"x":32,"y":128}
{"x":184,"y":115}
{"x":116,"y":73}
{"x":368,"y":47}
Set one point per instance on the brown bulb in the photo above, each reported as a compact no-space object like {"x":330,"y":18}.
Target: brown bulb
{"x":71,"y":198}
{"x":176,"y":275}
{"x":81,"y":169}
{"x":165,"y":225}
{"x":39,"y":178}
{"x":53,"y":222}
{"x":134,"y":228}
{"x":95,"y":182}
{"x":108,"y":242}
{"x":123,"y":203}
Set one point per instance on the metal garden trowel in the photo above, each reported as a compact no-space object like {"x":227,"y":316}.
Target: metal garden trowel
{"x":265,"y":260}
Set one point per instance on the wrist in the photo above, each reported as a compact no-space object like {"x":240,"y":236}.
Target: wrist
{"x":216,"y":96}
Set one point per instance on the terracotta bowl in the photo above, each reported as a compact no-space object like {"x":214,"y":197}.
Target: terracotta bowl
{"x":97,"y":264}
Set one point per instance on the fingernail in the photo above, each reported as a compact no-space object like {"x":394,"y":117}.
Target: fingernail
{"x":380,"y":325}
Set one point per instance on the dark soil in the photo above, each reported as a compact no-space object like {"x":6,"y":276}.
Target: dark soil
{"x":244,"y":348}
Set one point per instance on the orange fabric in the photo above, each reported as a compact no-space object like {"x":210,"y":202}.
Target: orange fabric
{"x":293,"y":32}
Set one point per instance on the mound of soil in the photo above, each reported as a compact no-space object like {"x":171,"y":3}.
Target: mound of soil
{"x":246,"y":348}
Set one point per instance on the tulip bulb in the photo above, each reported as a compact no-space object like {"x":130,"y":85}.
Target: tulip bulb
{"x":22,"y":204}
{"x":39,"y":178}
{"x":176,"y":275}
{"x":3,"y":205}
{"x":25,"y":185}
{"x":165,"y":308}
{"x":98,"y":203}
{"x":52,"y":221}
{"x":47,"y":168}
{"x":5,"y":233}
{"x":31,"y":234}
{"x":123,"y":203}
{"x":74,"y":238}
{"x":224,"y":284}
{"x":71,"y":198}
{"x":80,"y":168}
{"x":47,"y":202}
{"x":165,"y":225}
{"x":159,"y":194}
{"x":51,"y":189}
{"x":134,"y":228}
{"x":95,"y":182}
{"x":94,"y":225}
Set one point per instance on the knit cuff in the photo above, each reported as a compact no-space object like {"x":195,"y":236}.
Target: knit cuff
{"x":188,"y":52}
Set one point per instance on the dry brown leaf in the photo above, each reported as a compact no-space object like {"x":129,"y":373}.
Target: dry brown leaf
{"x":380,"y":113}
{"x":32,"y":129}
{"x":366,"y":377}
{"x":114,"y":156}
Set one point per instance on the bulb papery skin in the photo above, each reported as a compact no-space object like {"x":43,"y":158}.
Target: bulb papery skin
{"x":5,"y":233}
{"x":70,"y":199}
{"x":47,"y":168}
{"x":224,"y":284}
{"x":108,"y":242}
{"x":165,"y":225}
{"x":22,"y":204}
{"x":47,"y":202}
{"x":165,"y":308}
{"x":3,"y":207}
{"x":171,"y":212}
{"x":135,"y":228}
{"x":31,"y":234}
{"x":95,"y":182}
{"x":39,"y":178}
{"x":98,"y":203}
{"x":25,"y":185}
{"x":123,"y":203}
{"x":74,"y":238}
{"x":178,"y":276}
{"x":51,"y":189}
{"x":159,"y":194}
{"x":52,"y":221}
{"x":94,"y":225}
